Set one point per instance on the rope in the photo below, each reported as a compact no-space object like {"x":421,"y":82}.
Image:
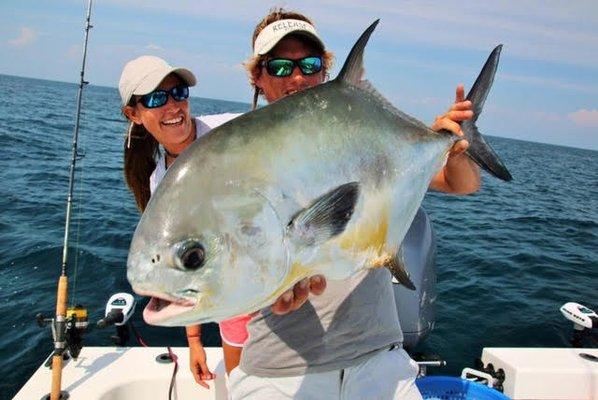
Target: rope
{"x":174,"y":359}
{"x":137,"y":335}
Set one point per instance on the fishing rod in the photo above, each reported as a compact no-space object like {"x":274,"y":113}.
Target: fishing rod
{"x":69,"y":322}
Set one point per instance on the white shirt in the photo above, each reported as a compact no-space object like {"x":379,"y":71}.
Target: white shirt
{"x":203,"y":125}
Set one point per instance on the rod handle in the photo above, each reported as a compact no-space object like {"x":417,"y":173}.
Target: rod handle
{"x":56,"y":376}
{"x":61,"y":296}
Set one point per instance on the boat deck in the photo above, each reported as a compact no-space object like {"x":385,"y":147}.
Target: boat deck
{"x":111,"y":373}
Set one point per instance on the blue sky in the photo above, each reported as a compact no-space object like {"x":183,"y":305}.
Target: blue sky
{"x":546,"y":89}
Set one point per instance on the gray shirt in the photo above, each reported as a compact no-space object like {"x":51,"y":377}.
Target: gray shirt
{"x":349,"y":322}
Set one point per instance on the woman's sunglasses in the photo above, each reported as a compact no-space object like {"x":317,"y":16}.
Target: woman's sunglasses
{"x":158,"y":98}
{"x":281,"y":67}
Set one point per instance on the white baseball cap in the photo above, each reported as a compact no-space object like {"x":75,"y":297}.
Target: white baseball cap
{"x":144,"y":74}
{"x":274,"y":32}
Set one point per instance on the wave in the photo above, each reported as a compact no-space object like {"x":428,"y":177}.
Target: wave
{"x":558,"y":221}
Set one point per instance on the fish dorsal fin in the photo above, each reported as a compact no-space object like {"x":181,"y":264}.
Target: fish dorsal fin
{"x":352,"y":73}
{"x":325,"y":217}
{"x":353,"y":68}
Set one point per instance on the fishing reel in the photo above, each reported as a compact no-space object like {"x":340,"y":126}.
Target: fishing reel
{"x":585,"y":322}
{"x":73,"y":326}
{"x":119,"y":308}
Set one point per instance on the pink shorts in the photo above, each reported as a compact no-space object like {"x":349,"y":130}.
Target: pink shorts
{"x":234,"y":330}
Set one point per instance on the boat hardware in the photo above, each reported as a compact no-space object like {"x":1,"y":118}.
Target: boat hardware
{"x":485,"y":374}
{"x":424,"y":361}
{"x":119,"y":309}
{"x":585,"y":323}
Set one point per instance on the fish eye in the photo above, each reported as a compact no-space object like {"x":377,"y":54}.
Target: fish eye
{"x":192,"y":255}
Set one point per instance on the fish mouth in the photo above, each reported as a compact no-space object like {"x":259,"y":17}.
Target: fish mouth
{"x":162,"y":308}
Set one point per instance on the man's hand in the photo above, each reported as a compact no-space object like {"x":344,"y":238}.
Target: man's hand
{"x":294,"y":298}
{"x":460,"y":111}
{"x":460,"y":175}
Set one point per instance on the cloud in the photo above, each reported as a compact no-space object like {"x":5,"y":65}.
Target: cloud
{"x":548,"y":82}
{"x":543,"y":116}
{"x":153,"y":47}
{"x":584,"y":117}
{"x":562,"y":33}
{"x":27,"y":36}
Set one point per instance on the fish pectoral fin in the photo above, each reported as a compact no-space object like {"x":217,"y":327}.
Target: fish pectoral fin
{"x":326,"y":217}
{"x":397,"y":268}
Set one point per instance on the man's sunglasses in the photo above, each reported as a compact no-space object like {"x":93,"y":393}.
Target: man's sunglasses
{"x":159,"y":97}
{"x":281,"y":67}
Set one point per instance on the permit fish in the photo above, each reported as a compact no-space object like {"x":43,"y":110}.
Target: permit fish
{"x":324,"y":181}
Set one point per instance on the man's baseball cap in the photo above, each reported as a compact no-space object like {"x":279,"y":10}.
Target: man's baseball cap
{"x":274,"y":32}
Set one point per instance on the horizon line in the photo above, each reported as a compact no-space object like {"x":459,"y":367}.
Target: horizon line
{"x":249,"y":104}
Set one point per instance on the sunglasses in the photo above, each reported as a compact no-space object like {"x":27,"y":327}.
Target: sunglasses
{"x":158,"y":98}
{"x":281,"y":67}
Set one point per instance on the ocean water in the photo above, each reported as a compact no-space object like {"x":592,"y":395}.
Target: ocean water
{"x":508,"y":256}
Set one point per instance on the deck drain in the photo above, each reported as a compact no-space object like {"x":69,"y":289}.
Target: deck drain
{"x":164,"y":358}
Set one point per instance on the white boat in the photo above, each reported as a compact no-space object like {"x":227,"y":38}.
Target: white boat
{"x":111,"y":373}
{"x":546,"y":373}
{"x":126,"y":373}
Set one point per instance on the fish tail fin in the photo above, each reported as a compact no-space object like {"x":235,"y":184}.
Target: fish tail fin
{"x":480,"y":151}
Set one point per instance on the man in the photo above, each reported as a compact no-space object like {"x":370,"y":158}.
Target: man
{"x":345,"y":342}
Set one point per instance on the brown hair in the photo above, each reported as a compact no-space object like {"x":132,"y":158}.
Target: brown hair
{"x":254,"y":64}
{"x":140,"y":162}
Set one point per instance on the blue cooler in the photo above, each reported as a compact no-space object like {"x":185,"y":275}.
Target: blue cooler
{"x":451,"y":388}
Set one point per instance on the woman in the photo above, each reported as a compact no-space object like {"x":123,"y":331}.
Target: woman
{"x":155,"y":101}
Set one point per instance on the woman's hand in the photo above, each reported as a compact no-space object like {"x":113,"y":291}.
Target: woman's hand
{"x":294,"y":298}
{"x":197,"y":357}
